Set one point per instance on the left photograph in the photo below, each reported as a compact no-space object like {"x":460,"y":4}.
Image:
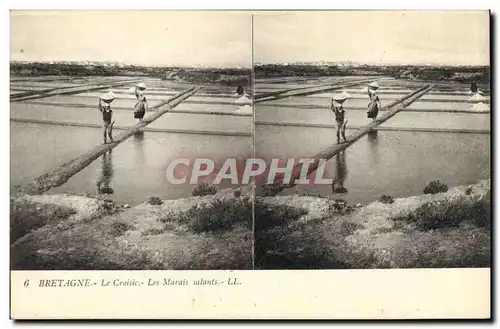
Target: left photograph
{"x":129,"y":135}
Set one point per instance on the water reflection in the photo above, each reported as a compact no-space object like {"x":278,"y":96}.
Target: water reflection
{"x":340,"y":174}
{"x":139,"y":136}
{"x":372,"y":137}
{"x":104,"y":181}
{"x":139,"y":146}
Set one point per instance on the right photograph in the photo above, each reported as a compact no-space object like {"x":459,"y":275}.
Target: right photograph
{"x":375,"y":127}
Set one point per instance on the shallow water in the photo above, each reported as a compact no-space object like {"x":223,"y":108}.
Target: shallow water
{"x":356,"y":118}
{"x":394,"y":163}
{"x":182,"y":121}
{"x":135,"y":169}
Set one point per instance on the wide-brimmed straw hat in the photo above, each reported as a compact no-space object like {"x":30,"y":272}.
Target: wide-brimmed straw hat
{"x":108,"y":96}
{"x":340,"y":96}
{"x":141,"y":85}
{"x":373,"y":84}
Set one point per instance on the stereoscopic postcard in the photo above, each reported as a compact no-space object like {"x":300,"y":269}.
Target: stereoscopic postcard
{"x":250,"y":164}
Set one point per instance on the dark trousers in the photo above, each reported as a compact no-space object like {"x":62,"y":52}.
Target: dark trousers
{"x":341,"y":129}
{"x":108,"y":130}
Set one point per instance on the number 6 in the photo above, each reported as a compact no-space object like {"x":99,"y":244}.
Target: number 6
{"x":26,"y":283}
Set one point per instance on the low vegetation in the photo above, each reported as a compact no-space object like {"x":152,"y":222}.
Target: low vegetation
{"x":119,"y":228}
{"x":387,"y":199}
{"x":224,"y":76}
{"x":218,"y":215}
{"x":447,"y":214}
{"x":154,"y":201}
{"x":435,"y":187}
{"x":204,"y":189}
{"x":28,"y":216}
{"x":293,"y":232}
{"x":479,"y":74}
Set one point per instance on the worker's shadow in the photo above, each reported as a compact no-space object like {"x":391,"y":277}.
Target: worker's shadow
{"x":340,"y":174}
{"x":104,"y":181}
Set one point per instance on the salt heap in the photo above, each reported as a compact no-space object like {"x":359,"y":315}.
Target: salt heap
{"x":247,"y":109}
{"x":477,"y":97}
{"x":480,"y":107}
{"x":243,"y":100}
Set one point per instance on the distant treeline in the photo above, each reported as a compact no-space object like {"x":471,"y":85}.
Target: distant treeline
{"x":414,"y":72}
{"x":235,"y":76}
{"x":230,"y":76}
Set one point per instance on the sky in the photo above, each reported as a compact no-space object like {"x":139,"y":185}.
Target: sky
{"x":397,"y":37}
{"x":220,"y":39}
{"x":224,"y":39}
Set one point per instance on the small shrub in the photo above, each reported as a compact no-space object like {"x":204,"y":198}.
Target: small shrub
{"x":155,"y":201}
{"x":468,"y":191}
{"x":119,"y":228}
{"x":281,"y":245}
{"x":313,"y":194}
{"x":387,"y":199}
{"x":348,"y":228}
{"x":204,"y":189}
{"x":446,"y":214}
{"x":435,"y":187}
{"x":269,"y":215}
{"x":154,"y":231}
{"x":339,"y":206}
{"x":29,"y":216}
{"x":108,"y":206}
{"x":217,"y":215}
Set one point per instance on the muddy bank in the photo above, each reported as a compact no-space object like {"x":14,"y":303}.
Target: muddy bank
{"x":96,"y":233}
{"x":449,"y":229}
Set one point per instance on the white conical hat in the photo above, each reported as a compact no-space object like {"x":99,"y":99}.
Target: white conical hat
{"x":373,"y":84}
{"x":108,"y":96}
{"x":340,"y":96}
{"x":141,"y":85}
{"x":345,"y":94}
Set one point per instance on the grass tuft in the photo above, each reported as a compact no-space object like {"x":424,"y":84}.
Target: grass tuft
{"x":435,"y":187}
{"x":119,"y":228}
{"x":387,"y":199}
{"x":29,"y":216}
{"x":447,"y":214}
{"x":203,"y":189}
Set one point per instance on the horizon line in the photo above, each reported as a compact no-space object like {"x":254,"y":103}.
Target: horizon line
{"x":319,"y":62}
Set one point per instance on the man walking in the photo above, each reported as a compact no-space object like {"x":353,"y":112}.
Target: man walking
{"x":107,"y":115}
{"x":337,"y":108}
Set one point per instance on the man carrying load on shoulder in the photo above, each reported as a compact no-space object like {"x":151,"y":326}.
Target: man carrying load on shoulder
{"x":374,"y":106}
{"x":107,"y":115}
{"x":337,"y":108}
